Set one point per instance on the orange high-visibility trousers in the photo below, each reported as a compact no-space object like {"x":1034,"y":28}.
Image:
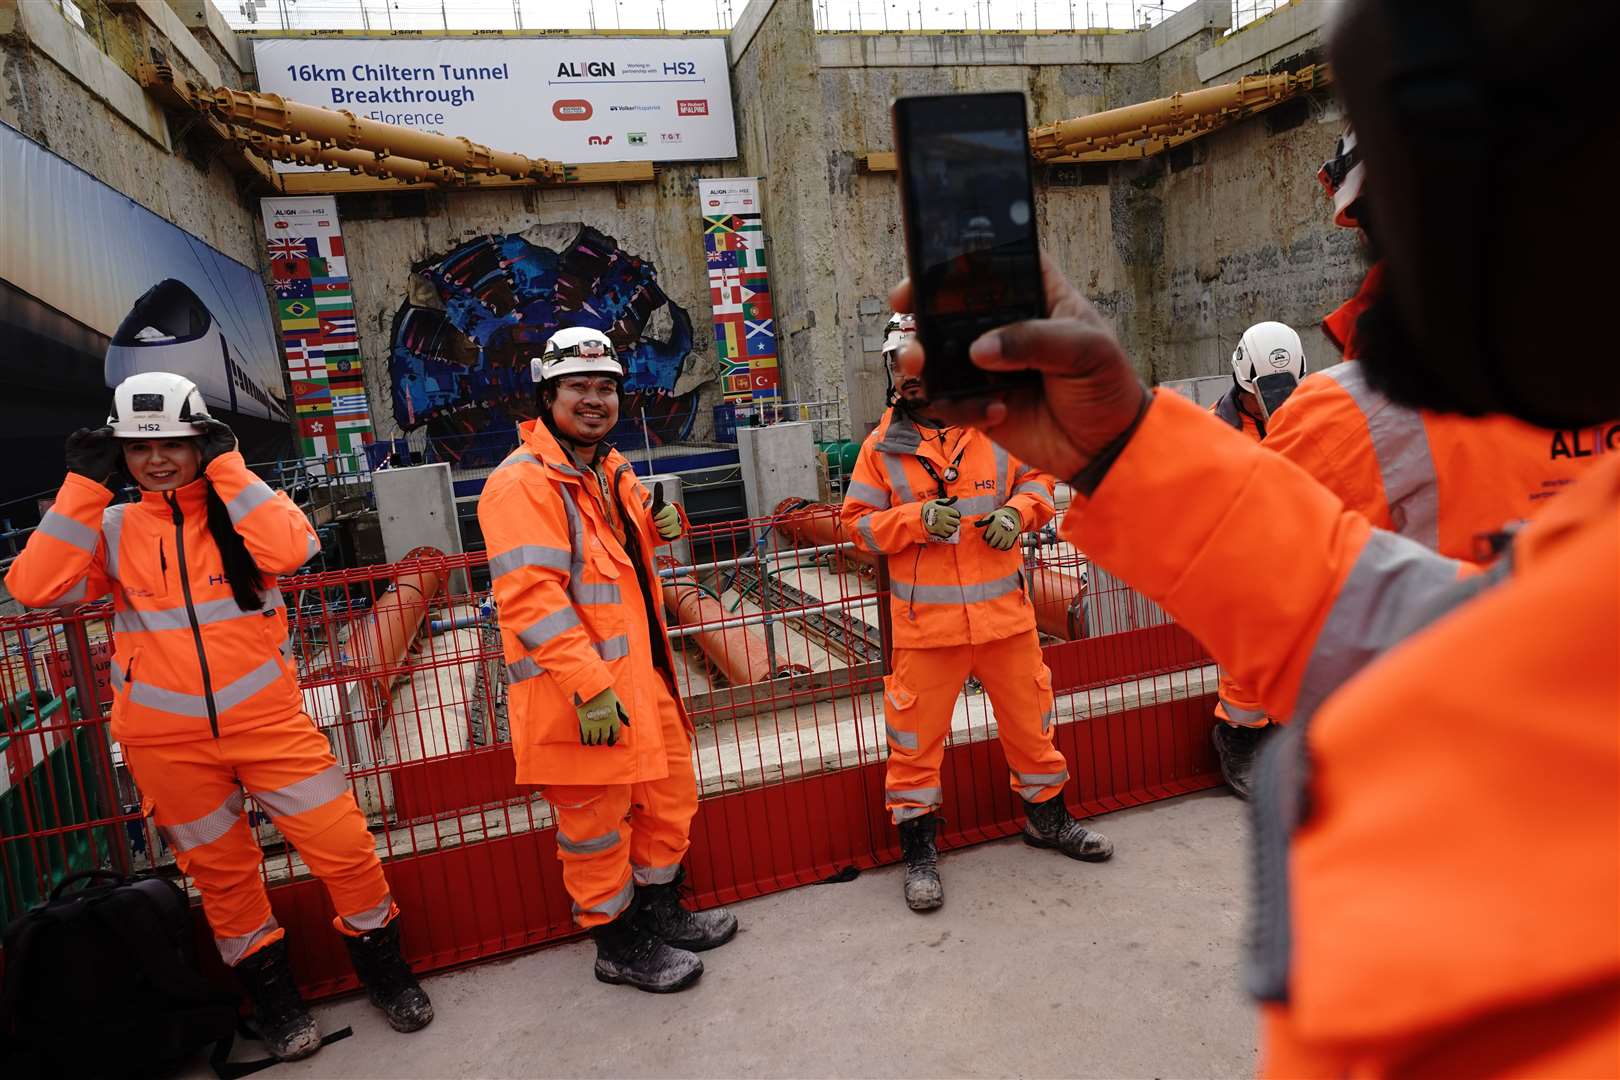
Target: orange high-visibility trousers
{"x":1236,"y":706}
{"x":194,"y":791}
{"x":612,"y":837}
{"x":920,"y":697}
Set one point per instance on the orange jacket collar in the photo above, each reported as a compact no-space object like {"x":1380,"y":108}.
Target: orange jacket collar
{"x":1340,"y":327}
{"x":193,"y":498}
{"x":539,"y":441}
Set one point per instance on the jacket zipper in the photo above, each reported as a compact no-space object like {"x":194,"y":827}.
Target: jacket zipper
{"x":191,"y":610}
{"x":163,"y":565}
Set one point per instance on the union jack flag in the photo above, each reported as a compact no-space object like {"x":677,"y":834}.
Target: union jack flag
{"x":281,"y":248}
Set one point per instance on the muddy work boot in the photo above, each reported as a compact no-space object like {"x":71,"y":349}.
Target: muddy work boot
{"x":629,"y":954}
{"x":388,"y":979}
{"x":280,"y":1017}
{"x":924,"y":890}
{"x":659,"y":912}
{"x":1050,"y":825}
{"x":1238,"y":748}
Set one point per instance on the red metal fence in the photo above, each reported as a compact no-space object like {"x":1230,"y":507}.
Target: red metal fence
{"x":780,"y":632}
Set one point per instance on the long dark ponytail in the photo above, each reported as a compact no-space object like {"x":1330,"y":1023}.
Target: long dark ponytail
{"x":241,"y":570}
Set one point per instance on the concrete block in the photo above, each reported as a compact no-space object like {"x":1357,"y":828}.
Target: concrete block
{"x":680,"y":550}
{"x":1203,"y":390}
{"x":778,"y":462}
{"x":160,"y":15}
{"x":416,"y":507}
{"x":72,"y":50}
{"x":1191,"y":20}
{"x":1237,"y":55}
{"x":203,"y":17}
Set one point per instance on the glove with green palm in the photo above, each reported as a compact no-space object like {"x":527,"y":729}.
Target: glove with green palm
{"x":1001,"y":528}
{"x":600,"y":719}
{"x":665,"y":517}
{"x":940,"y":518}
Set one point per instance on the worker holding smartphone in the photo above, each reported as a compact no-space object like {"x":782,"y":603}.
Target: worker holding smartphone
{"x":947,"y":506}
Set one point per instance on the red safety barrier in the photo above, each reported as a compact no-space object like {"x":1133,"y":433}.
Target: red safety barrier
{"x":790,"y":768}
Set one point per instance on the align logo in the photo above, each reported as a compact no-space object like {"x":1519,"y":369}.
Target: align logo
{"x":692,"y":107}
{"x":571,"y":109}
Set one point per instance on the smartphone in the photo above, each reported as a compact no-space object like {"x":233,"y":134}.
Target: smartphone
{"x":968,"y":204}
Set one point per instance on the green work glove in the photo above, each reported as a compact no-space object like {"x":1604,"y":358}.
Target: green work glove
{"x":941,"y":518}
{"x":600,"y":719}
{"x":666,"y":519}
{"x":1001,"y":528}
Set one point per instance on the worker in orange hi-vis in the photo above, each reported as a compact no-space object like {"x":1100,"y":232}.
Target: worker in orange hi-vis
{"x":1435,"y":829}
{"x":206,"y":702}
{"x":1267,"y":366}
{"x":1452,"y":483}
{"x":596,"y":718}
{"x":947,"y":507}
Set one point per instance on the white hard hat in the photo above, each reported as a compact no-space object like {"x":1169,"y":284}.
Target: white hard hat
{"x":157,"y":405}
{"x":576,"y":350}
{"x":1341,"y":175}
{"x":1268,"y":348}
{"x":901,"y":329}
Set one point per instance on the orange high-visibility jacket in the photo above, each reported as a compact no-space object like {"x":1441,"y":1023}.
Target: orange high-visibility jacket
{"x":188,"y":663}
{"x":1444,"y":481}
{"x":574,"y":619}
{"x":1231,"y":411}
{"x":957,"y":593}
{"x":1446,"y":903}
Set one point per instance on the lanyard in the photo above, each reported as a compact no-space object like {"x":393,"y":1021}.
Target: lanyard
{"x":951,"y":472}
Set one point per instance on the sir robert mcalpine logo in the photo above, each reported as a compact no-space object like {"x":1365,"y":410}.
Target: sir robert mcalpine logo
{"x":571,"y":109}
{"x":692,"y":107}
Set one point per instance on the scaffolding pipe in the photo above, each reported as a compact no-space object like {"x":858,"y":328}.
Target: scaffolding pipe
{"x":1181,"y":114}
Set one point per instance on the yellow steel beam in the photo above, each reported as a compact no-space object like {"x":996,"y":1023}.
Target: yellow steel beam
{"x":337,"y":181}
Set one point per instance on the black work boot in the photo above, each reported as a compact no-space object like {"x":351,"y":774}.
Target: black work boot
{"x":659,"y":911}
{"x":924,"y":890}
{"x":280,"y":1017}
{"x":1050,"y":825}
{"x":388,"y":979}
{"x":629,"y":954}
{"x":1238,"y":748}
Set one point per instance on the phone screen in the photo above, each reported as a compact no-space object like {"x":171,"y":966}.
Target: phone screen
{"x":970,"y":229}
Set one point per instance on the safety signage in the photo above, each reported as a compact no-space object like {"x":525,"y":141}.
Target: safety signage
{"x":568,"y":99}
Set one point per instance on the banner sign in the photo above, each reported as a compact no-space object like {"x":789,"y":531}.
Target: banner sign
{"x":569,"y":100}
{"x":739,"y":288}
{"x":315,"y":305}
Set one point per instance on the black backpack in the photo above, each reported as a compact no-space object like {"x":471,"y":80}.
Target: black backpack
{"x":99,"y":983}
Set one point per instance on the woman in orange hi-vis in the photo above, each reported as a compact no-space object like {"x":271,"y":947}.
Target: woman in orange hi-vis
{"x":958,"y":606}
{"x":1438,"y":829}
{"x":596,"y":718}
{"x":206,"y":702}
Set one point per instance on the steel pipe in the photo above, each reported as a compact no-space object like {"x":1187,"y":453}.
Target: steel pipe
{"x":818,"y":525}
{"x":1057,"y":597}
{"x":741,"y":654}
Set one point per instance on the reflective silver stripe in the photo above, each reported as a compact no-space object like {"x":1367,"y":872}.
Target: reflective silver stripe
{"x":613,"y":904}
{"x":598,"y":593}
{"x":558,"y":622}
{"x":1032,"y":784}
{"x":208,"y":828}
{"x":1037,"y":489}
{"x":75,"y":594}
{"x":567,"y":469}
{"x":233,"y":950}
{"x":905,"y":740}
{"x":1237,"y":714}
{"x":311,"y":549}
{"x":864,"y":527}
{"x":1401,"y":444}
{"x":1002,"y":466}
{"x":895,"y":467}
{"x":1021,"y":472}
{"x":978,"y":504}
{"x":655,"y":875}
{"x":874,"y":497}
{"x":226,"y":697}
{"x":63,"y":528}
{"x":528,"y":555}
{"x":523,"y":669}
{"x":1392,"y":580}
{"x":372,"y":918}
{"x":929,"y":796}
{"x":307,"y":794}
{"x":112,"y":529}
{"x":1046,"y":719}
{"x":576,"y":535}
{"x":588,"y":847}
{"x":209,"y":611}
{"x":287,"y":650}
{"x":520,"y":457}
{"x":906,"y":813}
{"x":248,"y":500}
{"x":956,"y":594}
{"x":613,"y":648}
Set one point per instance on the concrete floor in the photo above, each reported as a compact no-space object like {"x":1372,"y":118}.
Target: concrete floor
{"x":1036,"y":966}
